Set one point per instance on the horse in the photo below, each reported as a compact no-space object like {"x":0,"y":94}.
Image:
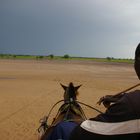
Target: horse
{"x":70,"y":111}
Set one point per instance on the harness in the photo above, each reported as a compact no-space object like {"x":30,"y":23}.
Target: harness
{"x":68,"y":106}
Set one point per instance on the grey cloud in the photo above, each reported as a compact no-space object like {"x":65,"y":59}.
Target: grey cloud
{"x":78,"y":27}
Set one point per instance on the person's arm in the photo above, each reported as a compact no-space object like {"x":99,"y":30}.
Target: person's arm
{"x":109,"y":99}
{"x":117,"y":112}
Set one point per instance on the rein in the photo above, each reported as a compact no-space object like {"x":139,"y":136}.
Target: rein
{"x":69,"y":108}
{"x":128,"y":89}
{"x":44,"y":120}
{"x":90,"y":107}
{"x":46,"y":117}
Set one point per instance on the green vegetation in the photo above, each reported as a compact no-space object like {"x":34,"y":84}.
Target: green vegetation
{"x":65,"y":57}
{"x":51,"y":56}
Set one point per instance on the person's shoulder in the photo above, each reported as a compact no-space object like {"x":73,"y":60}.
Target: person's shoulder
{"x":135,"y":93}
{"x":134,"y":99}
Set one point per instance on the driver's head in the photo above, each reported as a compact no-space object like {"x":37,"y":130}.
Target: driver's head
{"x":137,"y":61}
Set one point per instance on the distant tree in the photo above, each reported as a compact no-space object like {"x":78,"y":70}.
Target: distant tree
{"x":66,"y":56}
{"x":14,"y":56}
{"x":108,"y":58}
{"x":1,"y":55}
{"x":41,"y":57}
{"x":51,"y":56}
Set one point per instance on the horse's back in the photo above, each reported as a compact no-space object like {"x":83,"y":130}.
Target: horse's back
{"x":61,"y":131}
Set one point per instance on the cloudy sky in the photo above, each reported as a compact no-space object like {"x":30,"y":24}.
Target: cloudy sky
{"x":88,"y":28}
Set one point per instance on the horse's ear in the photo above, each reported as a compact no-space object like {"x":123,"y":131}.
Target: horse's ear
{"x":76,"y":88}
{"x":64,"y":87}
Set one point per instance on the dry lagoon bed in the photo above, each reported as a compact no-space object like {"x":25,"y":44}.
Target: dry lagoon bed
{"x":28,"y":89}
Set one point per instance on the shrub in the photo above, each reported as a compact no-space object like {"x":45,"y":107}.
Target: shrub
{"x":66,"y":56}
{"x":51,"y":56}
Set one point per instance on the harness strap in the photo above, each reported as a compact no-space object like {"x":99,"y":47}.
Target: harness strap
{"x":72,"y":107}
{"x":90,"y":107}
{"x":65,"y":107}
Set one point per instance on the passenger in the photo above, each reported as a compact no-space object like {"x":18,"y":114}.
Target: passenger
{"x":120,"y":120}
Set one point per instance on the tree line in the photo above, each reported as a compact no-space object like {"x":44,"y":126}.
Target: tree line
{"x":14,"y":56}
{"x":66,"y":56}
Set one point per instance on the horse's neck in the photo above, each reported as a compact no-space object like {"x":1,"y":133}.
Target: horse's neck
{"x":73,"y":107}
{"x":70,"y":117}
{"x":69,"y":112}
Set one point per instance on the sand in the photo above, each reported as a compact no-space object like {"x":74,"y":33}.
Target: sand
{"x":28,"y":89}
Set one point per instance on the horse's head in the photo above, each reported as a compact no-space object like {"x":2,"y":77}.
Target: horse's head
{"x":71,"y":92}
{"x":69,"y":111}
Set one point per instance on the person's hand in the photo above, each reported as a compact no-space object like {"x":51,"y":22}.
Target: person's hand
{"x":108,"y":99}
{"x":105,"y":100}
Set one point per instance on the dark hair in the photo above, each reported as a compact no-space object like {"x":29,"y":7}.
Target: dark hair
{"x":137,"y":61}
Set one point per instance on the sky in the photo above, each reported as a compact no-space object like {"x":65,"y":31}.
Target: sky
{"x":85,"y":28}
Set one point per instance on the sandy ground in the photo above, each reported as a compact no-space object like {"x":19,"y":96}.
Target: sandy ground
{"x":28,"y":89}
